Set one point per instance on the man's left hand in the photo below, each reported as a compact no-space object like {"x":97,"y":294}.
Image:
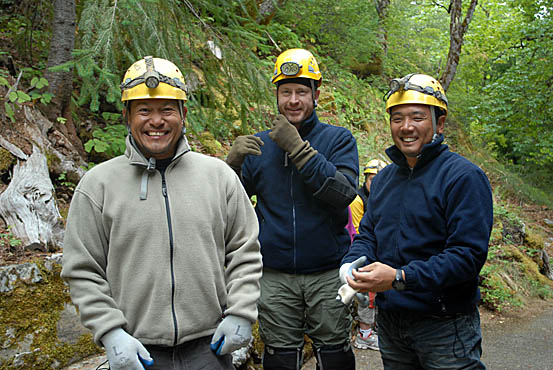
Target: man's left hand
{"x":285,"y":135}
{"x":232,"y":333}
{"x":376,"y":277}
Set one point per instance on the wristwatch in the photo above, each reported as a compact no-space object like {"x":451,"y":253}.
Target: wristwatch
{"x":399,"y":283}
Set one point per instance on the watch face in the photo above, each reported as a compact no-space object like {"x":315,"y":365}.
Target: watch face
{"x":398,"y":285}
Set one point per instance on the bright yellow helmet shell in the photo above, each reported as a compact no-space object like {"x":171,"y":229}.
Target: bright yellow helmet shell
{"x":171,"y":84}
{"x":433,"y":93}
{"x":373,"y":166}
{"x":305,"y":66}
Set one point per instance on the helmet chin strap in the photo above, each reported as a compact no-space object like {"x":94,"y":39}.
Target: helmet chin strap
{"x":181,"y":111}
{"x":313,"y":93}
{"x":434,"y":133}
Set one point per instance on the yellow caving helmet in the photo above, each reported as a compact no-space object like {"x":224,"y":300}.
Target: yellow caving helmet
{"x":153,"y":78}
{"x":296,"y":63}
{"x":416,"y":89}
{"x":373,"y":166}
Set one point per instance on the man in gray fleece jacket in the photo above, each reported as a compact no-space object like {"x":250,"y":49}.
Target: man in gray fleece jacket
{"x":161,"y":251}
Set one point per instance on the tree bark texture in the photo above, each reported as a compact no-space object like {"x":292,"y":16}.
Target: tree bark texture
{"x":382,"y":7}
{"x":61,"y":45}
{"x":457,"y":29}
{"x":60,"y":84}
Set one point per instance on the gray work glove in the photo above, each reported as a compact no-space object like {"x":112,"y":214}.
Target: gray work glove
{"x":346,"y":268}
{"x":232,"y":333}
{"x":287,"y":137}
{"x":125,"y":352}
{"x":242,"y":146}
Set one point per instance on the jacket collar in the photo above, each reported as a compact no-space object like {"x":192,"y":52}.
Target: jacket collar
{"x":307,"y":125}
{"x":427,"y":154}
{"x":137,"y":158}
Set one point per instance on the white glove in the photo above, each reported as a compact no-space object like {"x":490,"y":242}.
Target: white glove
{"x":232,"y":333}
{"x":346,"y":268}
{"x":362,"y":299}
{"x":125,"y":352}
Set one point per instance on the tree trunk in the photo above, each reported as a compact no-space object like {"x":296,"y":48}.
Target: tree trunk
{"x":60,"y":84}
{"x":382,"y":7}
{"x":457,"y":30}
{"x":29,"y":207}
{"x":61,"y":45}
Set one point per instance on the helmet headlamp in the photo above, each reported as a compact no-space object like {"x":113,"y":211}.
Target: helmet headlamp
{"x":290,"y":68}
{"x":151,"y":76}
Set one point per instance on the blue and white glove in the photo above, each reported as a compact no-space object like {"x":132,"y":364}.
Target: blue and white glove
{"x":124,"y":351}
{"x":362,"y":299}
{"x":232,"y":333}
{"x":346,"y":268}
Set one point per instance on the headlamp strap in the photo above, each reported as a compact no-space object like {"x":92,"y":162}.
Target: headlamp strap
{"x":149,"y":63}
{"x":404,"y":84}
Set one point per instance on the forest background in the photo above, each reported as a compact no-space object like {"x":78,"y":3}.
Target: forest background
{"x":66,"y":58}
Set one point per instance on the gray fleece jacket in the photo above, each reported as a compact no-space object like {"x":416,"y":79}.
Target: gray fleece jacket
{"x":165,"y":268}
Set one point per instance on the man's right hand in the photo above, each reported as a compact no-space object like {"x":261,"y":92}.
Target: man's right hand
{"x":124,"y":352}
{"x":242,"y":146}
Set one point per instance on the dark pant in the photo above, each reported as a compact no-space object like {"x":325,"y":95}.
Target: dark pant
{"x":409,"y":341}
{"x":193,"y":355}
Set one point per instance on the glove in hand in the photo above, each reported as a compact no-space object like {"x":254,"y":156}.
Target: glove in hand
{"x":362,"y":299}
{"x":287,"y":137}
{"x":242,"y":146}
{"x":346,"y":268}
{"x":124,"y":352}
{"x":232,"y":333}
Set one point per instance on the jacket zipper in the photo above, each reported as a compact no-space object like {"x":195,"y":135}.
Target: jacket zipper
{"x":172,"y":252}
{"x":293,"y":208}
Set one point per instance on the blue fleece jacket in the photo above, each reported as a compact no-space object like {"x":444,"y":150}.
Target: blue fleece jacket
{"x":298,"y":231}
{"x":434,"y":222}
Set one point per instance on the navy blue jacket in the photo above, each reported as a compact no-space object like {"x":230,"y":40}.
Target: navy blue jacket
{"x":434,"y":222}
{"x":298,"y":231}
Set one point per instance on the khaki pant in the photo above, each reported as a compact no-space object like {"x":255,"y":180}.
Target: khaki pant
{"x":293,"y":305}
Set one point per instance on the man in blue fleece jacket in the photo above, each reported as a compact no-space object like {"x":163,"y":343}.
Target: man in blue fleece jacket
{"x":304,"y":174}
{"x":424,"y":238}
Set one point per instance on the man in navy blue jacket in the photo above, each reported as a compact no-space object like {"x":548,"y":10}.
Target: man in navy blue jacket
{"x":304,"y":174}
{"x":424,"y":238}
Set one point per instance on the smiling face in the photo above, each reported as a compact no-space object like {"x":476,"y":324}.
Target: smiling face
{"x":295,"y":102}
{"x":411,"y":127}
{"x":156,"y":126}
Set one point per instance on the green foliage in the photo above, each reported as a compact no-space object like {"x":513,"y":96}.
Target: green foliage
{"x":504,"y":89}
{"x":109,"y":140}
{"x":418,"y":38}
{"x":221,"y":91}
{"x":8,"y":239}
{"x":64,"y":181}
{"x":347,"y":31}
{"x":496,"y":295}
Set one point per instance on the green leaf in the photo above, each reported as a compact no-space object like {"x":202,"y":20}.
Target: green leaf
{"x":22,"y":97}
{"x":9,"y":111}
{"x":13,"y":96}
{"x":4,"y":82}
